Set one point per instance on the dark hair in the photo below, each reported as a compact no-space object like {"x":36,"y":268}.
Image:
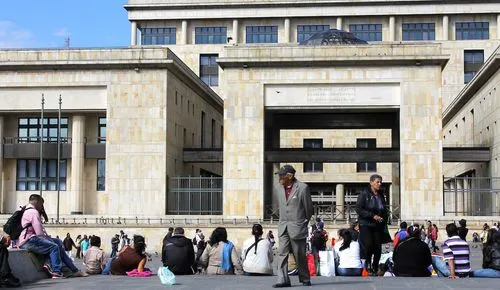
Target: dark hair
{"x":346,"y":237}
{"x":218,"y":235}
{"x":414,"y":231}
{"x":139,"y":244}
{"x":36,"y":197}
{"x":403,"y":225}
{"x":178,"y":231}
{"x":434,"y":225}
{"x":374,"y":177}
{"x":95,"y":241}
{"x":462,"y":223}
{"x":493,"y":236}
{"x":257,"y":232}
{"x":451,"y":230}
{"x":79,"y":236}
{"x":170,"y":229}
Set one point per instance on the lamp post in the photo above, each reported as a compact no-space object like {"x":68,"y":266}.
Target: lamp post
{"x":41,"y":146}
{"x":58,"y":156}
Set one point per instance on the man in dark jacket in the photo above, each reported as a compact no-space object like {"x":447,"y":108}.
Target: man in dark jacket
{"x":178,"y":253}
{"x":412,"y":257}
{"x":115,"y":241}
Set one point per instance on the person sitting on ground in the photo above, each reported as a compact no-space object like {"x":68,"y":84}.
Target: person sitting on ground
{"x":412,"y":257}
{"x":6,"y":278}
{"x":178,"y":254}
{"x":220,"y":256}
{"x":257,"y":254}
{"x":456,"y":252}
{"x":462,"y":229}
{"x":129,"y":258}
{"x":35,"y":239}
{"x":168,"y":235}
{"x":347,"y":257}
{"x":491,"y":257}
{"x":94,"y":257}
{"x":401,"y":235}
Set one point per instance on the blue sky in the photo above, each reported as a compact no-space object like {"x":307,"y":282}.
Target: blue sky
{"x":46,"y":23}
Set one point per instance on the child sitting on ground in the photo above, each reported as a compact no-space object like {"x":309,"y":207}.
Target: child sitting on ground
{"x":94,"y":257}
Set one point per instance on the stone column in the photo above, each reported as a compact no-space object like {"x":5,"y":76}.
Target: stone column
{"x":2,"y":197}
{"x":287,"y":30}
{"x":133,"y":33}
{"x":392,"y":28}
{"x":461,"y":200}
{"x":235,"y":31}
{"x":498,"y":26}
{"x":339,"y":23}
{"x":184,"y":32}
{"x":340,"y":201}
{"x":446,"y":31}
{"x":77,"y":163}
{"x":394,"y":189}
{"x":449,"y":198}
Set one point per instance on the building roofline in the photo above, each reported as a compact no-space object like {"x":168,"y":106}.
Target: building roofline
{"x":489,"y":68}
{"x":197,"y":4}
{"x":99,"y":58}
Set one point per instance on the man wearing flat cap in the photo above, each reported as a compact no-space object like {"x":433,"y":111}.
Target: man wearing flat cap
{"x":295,"y":212}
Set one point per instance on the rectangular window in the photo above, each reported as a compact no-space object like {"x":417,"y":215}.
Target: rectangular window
{"x":209,"y":70}
{"x":313,"y":144}
{"x":262,"y":34}
{"x":158,"y":36}
{"x":29,"y":130}
{"x":210,"y":35}
{"x":213,"y":133}
{"x":102,"y":130}
{"x":366,"y":166}
{"x":367,"y":32}
{"x":101,"y":174}
{"x":305,"y":31}
{"x":473,"y":60}
{"x":202,"y":129}
{"x":419,"y":31}
{"x":28,"y":175}
{"x":472,"y":30}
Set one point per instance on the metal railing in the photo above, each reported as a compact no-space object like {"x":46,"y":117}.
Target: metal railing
{"x":23,"y":140}
{"x":471,"y":196}
{"x":195,"y":196}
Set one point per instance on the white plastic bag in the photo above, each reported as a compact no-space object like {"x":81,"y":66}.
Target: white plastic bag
{"x":166,"y":276}
{"x":327,"y":263}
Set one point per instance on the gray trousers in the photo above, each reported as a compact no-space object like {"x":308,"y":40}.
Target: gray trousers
{"x":298,"y":248}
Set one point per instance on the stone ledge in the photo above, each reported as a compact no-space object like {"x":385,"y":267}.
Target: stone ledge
{"x":26,"y":266}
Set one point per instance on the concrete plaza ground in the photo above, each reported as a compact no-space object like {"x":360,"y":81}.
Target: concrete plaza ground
{"x":244,"y":282}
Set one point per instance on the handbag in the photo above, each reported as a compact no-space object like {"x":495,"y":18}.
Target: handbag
{"x":326,"y":263}
{"x":166,"y":276}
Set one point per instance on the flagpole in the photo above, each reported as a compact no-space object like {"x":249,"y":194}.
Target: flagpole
{"x":58,"y":156}
{"x":41,"y":146}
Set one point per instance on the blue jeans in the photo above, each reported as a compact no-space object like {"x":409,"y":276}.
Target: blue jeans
{"x":485,"y":273}
{"x":65,"y":258}
{"x":349,"y":271}
{"x":107,"y":268}
{"x":440,"y":266}
{"x":45,"y":246}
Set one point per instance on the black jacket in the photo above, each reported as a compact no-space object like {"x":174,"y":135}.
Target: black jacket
{"x":412,"y":258}
{"x":491,"y":257}
{"x":178,"y":255}
{"x":366,"y":208}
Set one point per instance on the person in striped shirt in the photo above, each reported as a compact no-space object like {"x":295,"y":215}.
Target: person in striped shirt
{"x":457,"y":253}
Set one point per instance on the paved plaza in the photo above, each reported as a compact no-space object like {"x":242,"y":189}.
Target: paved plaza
{"x":254,"y":283}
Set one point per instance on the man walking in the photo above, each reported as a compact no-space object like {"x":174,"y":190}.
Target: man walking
{"x":295,"y":212}
{"x":115,"y":241}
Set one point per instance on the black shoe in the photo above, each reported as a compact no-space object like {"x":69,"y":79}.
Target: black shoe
{"x":10,"y":283}
{"x":282,"y":285}
{"x":306,"y":283}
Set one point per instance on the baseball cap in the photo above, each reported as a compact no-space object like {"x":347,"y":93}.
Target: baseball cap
{"x":286,"y":169}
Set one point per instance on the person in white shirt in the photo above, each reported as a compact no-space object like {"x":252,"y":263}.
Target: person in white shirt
{"x":347,"y":254}
{"x":256,"y":254}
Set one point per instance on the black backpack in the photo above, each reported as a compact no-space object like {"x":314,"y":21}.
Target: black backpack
{"x":13,"y":225}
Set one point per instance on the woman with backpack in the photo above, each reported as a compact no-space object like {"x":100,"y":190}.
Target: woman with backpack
{"x":257,"y":254}
{"x":220,"y":256}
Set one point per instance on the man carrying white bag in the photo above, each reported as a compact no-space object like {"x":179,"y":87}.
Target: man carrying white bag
{"x":326,"y":263}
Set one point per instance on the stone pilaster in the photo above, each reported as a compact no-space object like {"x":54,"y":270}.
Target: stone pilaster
{"x":446,"y":30}
{"x":236,"y":31}
{"x":133,"y":33}
{"x":498,"y":26}
{"x":286,"y":26}
{"x":77,"y":163}
{"x":184,"y":32}
{"x":339,"y":23}
{"x":340,"y":201}
{"x":392,"y":28}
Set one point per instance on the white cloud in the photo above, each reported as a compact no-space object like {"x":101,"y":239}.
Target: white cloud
{"x":62,"y":32}
{"x":13,"y":36}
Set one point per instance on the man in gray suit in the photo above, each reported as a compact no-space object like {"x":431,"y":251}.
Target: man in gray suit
{"x":295,"y":212}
